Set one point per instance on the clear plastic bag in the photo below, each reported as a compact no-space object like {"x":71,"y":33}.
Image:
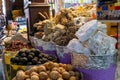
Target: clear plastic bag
{"x":64,"y":54}
{"x":93,"y":61}
{"x":87,"y":30}
{"x":102,"y":27}
{"x":101,"y":44}
{"x":80,"y":60}
{"x":48,"y":46}
{"x":78,"y":47}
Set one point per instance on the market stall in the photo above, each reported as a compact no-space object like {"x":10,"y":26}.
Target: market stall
{"x":73,"y":45}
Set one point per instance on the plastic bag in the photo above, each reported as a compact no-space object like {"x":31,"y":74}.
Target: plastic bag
{"x":102,"y":27}
{"x":87,"y":30}
{"x":64,"y":54}
{"x":78,"y":47}
{"x":48,"y":46}
{"x":37,"y":43}
{"x":102,"y":44}
{"x":80,"y":60}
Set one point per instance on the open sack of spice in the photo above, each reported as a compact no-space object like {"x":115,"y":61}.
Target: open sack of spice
{"x":16,"y":43}
{"x":93,"y":46}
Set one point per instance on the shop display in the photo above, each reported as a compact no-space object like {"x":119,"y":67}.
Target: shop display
{"x":109,"y":11}
{"x":73,"y":37}
{"x":98,"y":46}
{"x":61,"y":29}
{"x":49,"y":71}
{"x":16,"y":42}
{"x":16,"y":45}
{"x":31,"y":57}
{"x":11,"y":29}
{"x":86,"y":10}
{"x":101,"y":44}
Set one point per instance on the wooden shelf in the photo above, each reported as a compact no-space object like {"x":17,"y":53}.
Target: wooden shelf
{"x":116,"y":21}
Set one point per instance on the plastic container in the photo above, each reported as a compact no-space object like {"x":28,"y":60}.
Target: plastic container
{"x":45,"y":47}
{"x":49,"y":48}
{"x":100,"y":67}
{"x":97,"y":62}
{"x":36,"y":43}
{"x":64,"y":54}
{"x":103,"y":74}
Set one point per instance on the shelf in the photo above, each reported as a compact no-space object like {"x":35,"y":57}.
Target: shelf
{"x":117,"y":21}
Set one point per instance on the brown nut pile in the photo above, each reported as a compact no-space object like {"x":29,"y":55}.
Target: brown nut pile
{"x":17,"y":45}
{"x":49,"y":71}
{"x":32,"y":57}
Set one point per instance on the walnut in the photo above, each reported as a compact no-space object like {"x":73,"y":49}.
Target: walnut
{"x":33,"y":69}
{"x":27,"y":72}
{"x":20,"y":75}
{"x":50,"y":66}
{"x":34,"y":77}
{"x":46,"y":64}
{"x":69,"y":67}
{"x":60,"y":65}
{"x":43,"y":76}
{"x":56,"y":65}
{"x":34,"y":73}
{"x":72,"y":73}
{"x":41,"y":68}
{"x":65,"y":75}
{"x":54,"y":75}
{"x":55,"y":69}
{"x":61,"y":70}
